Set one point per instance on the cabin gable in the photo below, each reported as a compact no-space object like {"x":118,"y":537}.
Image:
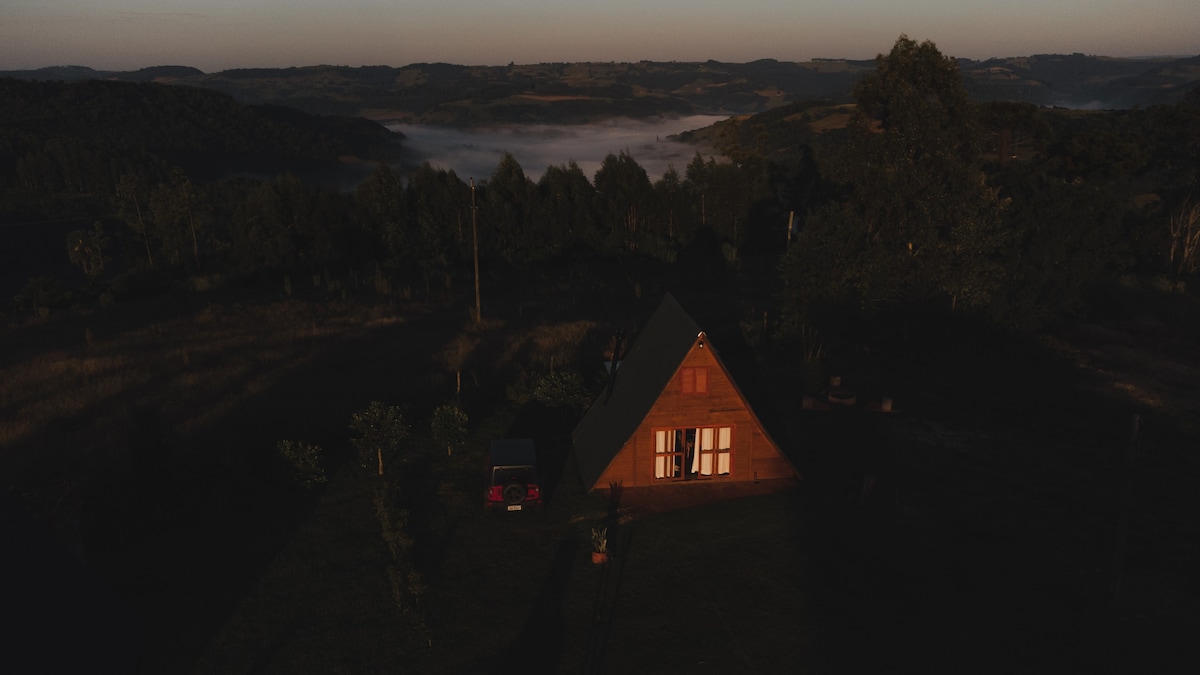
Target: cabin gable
{"x":699,"y":429}
{"x":681,"y":419}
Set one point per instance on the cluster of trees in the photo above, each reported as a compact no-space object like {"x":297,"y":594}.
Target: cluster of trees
{"x":924,"y":198}
{"x":1006,"y":209}
{"x":417,"y":229}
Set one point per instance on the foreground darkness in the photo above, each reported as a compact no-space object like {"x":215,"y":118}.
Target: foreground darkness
{"x":987,"y":540}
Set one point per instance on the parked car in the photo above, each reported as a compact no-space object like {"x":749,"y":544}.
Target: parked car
{"x":513,"y":480}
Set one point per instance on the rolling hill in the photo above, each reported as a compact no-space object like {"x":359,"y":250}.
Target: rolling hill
{"x":459,"y":95}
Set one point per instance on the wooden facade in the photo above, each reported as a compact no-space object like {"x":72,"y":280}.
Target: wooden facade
{"x":674,"y":414}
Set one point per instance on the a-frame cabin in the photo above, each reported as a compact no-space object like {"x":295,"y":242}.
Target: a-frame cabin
{"x":671,"y":413}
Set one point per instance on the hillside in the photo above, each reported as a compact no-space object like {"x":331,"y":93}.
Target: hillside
{"x":74,"y":140}
{"x":580,"y":92}
{"x":1079,"y":81}
{"x":553,"y":92}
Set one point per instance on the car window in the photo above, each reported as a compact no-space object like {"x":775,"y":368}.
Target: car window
{"x":503,"y":474}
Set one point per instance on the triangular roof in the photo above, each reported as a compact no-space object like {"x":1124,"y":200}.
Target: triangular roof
{"x":629,"y":396}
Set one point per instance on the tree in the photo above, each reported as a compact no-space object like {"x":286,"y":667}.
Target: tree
{"x":564,"y":208}
{"x":1064,"y":236}
{"x":1184,"y":226}
{"x":726,"y":191}
{"x":561,"y":389}
{"x":39,"y":293}
{"x":131,"y":196}
{"x":454,"y":356}
{"x":625,"y":196}
{"x":671,"y":197}
{"x":263,"y":230}
{"x":304,"y":461}
{"x":449,"y":426}
{"x":915,"y":219}
{"x":436,"y":227}
{"x":85,"y":248}
{"x":507,"y":199}
{"x":1011,"y":127}
{"x":378,"y":430}
{"x":174,"y":205}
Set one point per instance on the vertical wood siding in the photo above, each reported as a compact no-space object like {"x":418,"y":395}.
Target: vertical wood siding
{"x":753,"y":453}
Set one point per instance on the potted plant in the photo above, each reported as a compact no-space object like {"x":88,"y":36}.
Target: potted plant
{"x":599,"y":545}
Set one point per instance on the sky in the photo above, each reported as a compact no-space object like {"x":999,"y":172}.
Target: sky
{"x":215,"y":35}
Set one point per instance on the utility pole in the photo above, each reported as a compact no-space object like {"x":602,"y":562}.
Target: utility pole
{"x":475,"y":246}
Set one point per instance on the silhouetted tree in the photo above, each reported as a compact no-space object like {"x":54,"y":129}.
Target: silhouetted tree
{"x":1184,"y":226}
{"x":437,"y":229}
{"x":378,"y":430}
{"x":174,"y":209}
{"x":1064,"y":236}
{"x":624,"y":195}
{"x":1013,"y":127}
{"x":506,"y":211}
{"x":449,"y":426}
{"x":564,"y":208}
{"x":916,"y":221}
{"x":132,"y":198}
{"x":85,"y":248}
{"x":672,"y":219}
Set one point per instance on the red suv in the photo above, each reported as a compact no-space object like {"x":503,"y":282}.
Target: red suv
{"x":513,"y":474}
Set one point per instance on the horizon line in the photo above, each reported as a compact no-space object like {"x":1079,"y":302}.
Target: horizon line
{"x":512,"y":64}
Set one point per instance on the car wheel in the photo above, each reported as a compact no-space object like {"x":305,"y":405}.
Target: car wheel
{"x":514,"y":493}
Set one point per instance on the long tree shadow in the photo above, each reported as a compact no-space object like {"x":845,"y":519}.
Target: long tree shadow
{"x":550,"y":429}
{"x":608,"y":586}
{"x":539,"y":646}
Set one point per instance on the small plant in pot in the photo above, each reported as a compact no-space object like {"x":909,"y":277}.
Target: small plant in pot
{"x":599,"y":545}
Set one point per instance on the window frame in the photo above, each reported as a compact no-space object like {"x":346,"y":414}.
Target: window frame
{"x":708,"y":461}
{"x":693,"y":380}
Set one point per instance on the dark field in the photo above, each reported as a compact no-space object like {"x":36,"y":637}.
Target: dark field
{"x":988,"y":541}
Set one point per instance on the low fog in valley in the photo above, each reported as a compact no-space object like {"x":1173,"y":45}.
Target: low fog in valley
{"x":475,"y":153}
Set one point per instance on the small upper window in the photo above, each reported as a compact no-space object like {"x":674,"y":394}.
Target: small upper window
{"x":693,"y":380}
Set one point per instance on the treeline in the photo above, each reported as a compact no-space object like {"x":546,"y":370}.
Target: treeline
{"x":414,"y":233}
{"x":924,"y":199}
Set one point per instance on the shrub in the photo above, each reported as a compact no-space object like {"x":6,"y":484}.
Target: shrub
{"x":449,"y":426}
{"x":561,"y":389}
{"x":39,"y":293}
{"x":305,"y":460}
{"x":379,"y":430}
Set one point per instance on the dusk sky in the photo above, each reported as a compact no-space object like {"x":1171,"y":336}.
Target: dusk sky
{"x":215,"y":35}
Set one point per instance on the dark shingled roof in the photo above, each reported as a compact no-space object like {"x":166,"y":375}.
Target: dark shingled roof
{"x":644,"y":373}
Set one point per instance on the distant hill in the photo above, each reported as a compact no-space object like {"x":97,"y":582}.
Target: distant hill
{"x":550,"y":93}
{"x":449,"y":94}
{"x":1175,"y":78}
{"x":77,"y":73}
{"x":1080,"y":81}
{"x":64,"y":141}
